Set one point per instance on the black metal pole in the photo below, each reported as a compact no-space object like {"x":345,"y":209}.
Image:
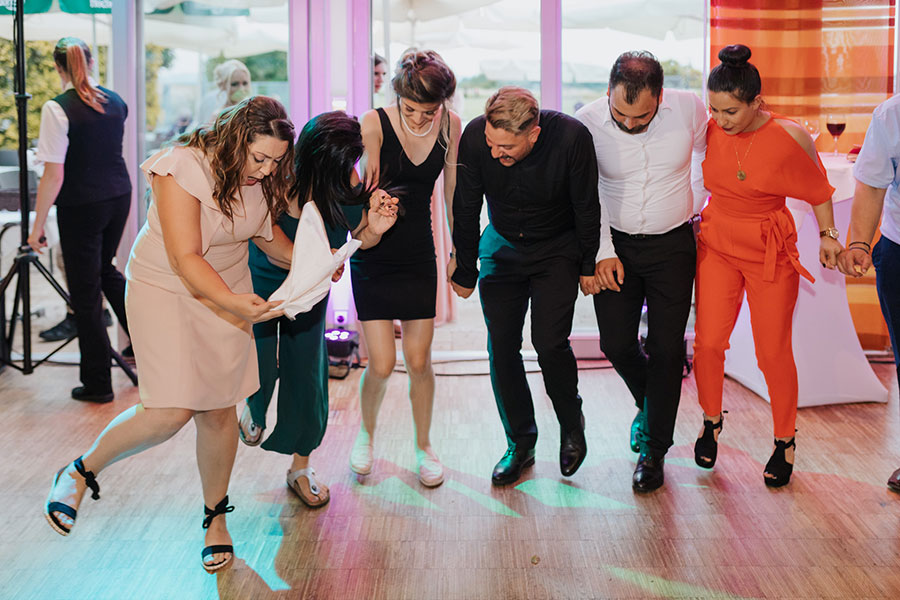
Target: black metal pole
{"x":22,"y":107}
{"x":22,"y":98}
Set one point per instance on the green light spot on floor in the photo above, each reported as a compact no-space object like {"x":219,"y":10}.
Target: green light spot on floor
{"x":393,"y":489}
{"x":667,"y":588}
{"x":482,"y":499}
{"x":561,"y":495}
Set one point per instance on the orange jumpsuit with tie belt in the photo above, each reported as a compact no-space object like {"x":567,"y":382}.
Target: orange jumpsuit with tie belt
{"x":748,"y":242}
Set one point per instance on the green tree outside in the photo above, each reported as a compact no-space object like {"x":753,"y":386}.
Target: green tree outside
{"x":42,"y":82}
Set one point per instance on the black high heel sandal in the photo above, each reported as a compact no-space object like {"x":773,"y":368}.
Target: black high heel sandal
{"x":778,"y":469}
{"x":706,"y":448}
{"x":55,"y":507}
{"x":211,"y":513}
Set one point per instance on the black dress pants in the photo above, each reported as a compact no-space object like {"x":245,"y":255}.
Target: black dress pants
{"x":89,"y":236}
{"x":546,"y":275}
{"x":659,"y":269}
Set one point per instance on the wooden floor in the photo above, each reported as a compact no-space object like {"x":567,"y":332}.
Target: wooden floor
{"x":833,"y":533}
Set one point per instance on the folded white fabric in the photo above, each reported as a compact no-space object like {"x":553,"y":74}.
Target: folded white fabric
{"x":312,"y":265}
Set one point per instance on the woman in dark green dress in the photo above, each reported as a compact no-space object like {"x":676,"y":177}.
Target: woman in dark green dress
{"x":294,"y":352}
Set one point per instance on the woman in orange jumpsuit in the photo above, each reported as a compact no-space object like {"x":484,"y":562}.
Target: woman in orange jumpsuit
{"x":747,"y":242}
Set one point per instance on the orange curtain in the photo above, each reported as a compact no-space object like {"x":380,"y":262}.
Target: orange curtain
{"x":820,"y":60}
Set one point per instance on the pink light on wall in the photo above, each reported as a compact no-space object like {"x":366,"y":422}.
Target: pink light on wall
{"x":551,"y":54}
{"x":319,"y":31}
{"x":359,"y":76}
{"x":298,"y":62}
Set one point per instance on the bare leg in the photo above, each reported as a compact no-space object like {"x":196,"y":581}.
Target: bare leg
{"x":299,"y":462}
{"x":382,"y":358}
{"x":133,"y":430}
{"x":217,"y":440}
{"x":417,"y":337}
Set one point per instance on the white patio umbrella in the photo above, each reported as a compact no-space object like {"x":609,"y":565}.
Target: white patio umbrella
{"x":263,"y":29}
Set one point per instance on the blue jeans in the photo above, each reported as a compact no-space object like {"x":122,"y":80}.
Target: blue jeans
{"x":886,"y":258}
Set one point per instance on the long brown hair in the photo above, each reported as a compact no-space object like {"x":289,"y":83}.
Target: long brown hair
{"x":225,"y":143}
{"x":74,"y":57}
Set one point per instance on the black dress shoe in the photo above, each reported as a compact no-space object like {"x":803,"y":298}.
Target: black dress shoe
{"x":63,"y":330}
{"x":639,"y":423}
{"x":648,"y":474}
{"x":85,"y":395}
{"x":894,"y":482}
{"x":510,"y":467}
{"x":128,"y":355}
{"x":572,"y":450}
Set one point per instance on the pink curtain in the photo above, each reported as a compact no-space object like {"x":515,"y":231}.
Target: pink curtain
{"x":443,"y":244}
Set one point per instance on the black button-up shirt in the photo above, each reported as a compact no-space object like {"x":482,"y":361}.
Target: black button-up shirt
{"x":550,"y":191}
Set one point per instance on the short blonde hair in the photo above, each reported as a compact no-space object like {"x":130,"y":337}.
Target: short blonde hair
{"x":513,"y":109}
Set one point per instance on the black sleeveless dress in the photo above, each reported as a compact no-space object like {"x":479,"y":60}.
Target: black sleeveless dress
{"x":397,"y":278}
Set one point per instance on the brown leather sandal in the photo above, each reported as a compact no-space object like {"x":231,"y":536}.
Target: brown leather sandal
{"x":319,"y":497}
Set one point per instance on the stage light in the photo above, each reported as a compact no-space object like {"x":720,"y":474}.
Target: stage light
{"x":343,"y":351}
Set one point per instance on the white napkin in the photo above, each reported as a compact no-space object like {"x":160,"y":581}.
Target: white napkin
{"x":312,"y":265}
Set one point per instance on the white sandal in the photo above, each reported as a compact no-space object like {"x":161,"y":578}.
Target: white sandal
{"x":251,"y":433}
{"x":316,"y":501}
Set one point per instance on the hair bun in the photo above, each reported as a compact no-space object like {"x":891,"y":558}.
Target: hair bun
{"x":735,"y":55}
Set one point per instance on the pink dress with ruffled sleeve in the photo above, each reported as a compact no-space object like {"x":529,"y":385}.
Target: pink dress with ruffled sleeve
{"x":190,"y":353}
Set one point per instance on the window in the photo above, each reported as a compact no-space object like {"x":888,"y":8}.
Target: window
{"x":200,"y":58}
{"x":486,"y":46}
{"x":596,"y":33}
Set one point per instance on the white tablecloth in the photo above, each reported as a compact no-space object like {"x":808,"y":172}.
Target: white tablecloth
{"x":831,"y":365}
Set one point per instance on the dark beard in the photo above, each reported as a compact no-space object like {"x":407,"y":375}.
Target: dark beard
{"x":637,"y":128}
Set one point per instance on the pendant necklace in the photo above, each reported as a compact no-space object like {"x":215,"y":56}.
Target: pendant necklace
{"x":410,"y":131}
{"x":741,"y":174}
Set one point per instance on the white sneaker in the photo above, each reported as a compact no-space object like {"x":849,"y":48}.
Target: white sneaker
{"x":431,"y":471}
{"x":361,"y":455}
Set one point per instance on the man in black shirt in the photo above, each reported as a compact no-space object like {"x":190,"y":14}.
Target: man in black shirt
{"x":538,"y":171}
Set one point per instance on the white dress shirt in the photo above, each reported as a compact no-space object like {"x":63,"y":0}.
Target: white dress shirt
{"x":650,"y":182}
{"x":878,"y":160}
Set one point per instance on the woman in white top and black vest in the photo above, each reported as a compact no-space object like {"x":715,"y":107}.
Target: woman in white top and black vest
{"x":85,"y":175}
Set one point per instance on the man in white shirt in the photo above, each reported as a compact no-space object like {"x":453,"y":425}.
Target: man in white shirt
{"x":650,"y":146}
{"x":877,"y":196}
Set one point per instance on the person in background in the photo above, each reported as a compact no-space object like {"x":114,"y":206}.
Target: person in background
{"x":379,"y":72}
{"x":748,"y":242}
{"x":877,"y":197}
{"x":650,"y":144}
{"x":232,"y":79}
{"x":293,"y":351}
{"x":407,"y":147}
{"x":538,"y":171}
{"x":86,"y":177}
{"x":190,"y":305}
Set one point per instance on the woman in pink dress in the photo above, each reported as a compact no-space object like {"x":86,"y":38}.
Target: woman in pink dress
{"x":190,"y":303}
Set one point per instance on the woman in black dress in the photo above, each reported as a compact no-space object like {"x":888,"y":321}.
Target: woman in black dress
{"x":407,"y":146}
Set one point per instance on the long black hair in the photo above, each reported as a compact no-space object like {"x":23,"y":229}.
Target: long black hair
{"x":329,"y":146}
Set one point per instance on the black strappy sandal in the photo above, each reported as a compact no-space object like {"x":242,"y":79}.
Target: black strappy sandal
{"x":54,"y":507}
{"x":778,"y":469}
{"x":211,"y":513}
{"x":706,"y":448}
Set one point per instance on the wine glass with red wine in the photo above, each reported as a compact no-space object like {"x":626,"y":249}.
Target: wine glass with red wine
{"x":836,"y":126}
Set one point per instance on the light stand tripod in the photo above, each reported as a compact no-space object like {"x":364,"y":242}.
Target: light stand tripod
{"x":26,"y":256}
